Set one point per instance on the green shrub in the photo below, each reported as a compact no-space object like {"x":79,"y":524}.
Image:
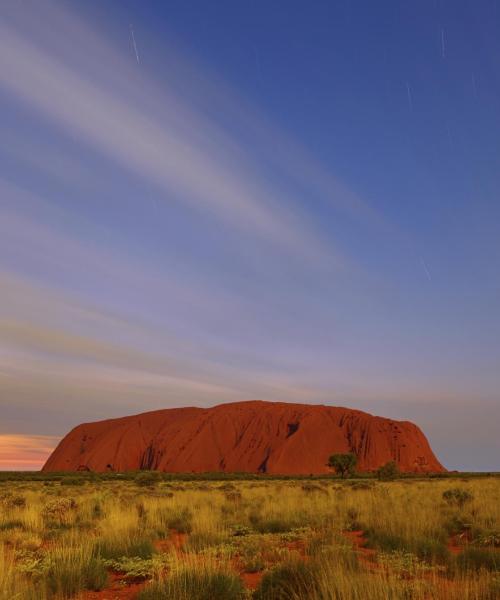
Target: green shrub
{"x":474,"y":559}
{"x":254,"y":564}
{"x":227,"y":487}
{"x":198,"y":541}
{"x":343,"y":464}
{"x":381,"y":540}
{"x":240,"y":530}
{"x":458,"y":524}
{"x":295,"y":579}
{"x":65,"y":577}
{"x":430,"y":549}
{"x":59,"y":511}
{"x":72,"y":481}
{"x":147,"y":478}
{"x":179,"y":519}
{"x":134,"y":568}
{"x":388,"y":471}
{"x":403,"y":564}
{"x":362,"y":485}
{"x":457,"y":497}
{"x":193,"y":584}
{"x":309,"y":488}
{"x":13,"y":524}
{"x":333,"y":548}
{"x":271,"y":525}
{"x":139,"y":547}
{"x":13,"y":501}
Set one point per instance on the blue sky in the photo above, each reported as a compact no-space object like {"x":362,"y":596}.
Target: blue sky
{"x":209,"y":202}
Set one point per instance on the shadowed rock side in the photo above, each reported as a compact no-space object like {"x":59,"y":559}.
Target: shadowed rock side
{"x":255,"y":436}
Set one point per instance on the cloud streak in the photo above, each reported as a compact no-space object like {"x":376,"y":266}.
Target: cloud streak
{"x":20,"y":452}
{"x":185,"y":155}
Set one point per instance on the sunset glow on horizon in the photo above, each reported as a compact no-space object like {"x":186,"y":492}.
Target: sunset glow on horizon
{"x":25,"y":452}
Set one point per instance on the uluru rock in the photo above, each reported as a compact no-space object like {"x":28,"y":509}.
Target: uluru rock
{"x":254,"y":436}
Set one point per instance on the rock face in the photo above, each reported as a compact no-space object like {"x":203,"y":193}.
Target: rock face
{"x":254,"y":436}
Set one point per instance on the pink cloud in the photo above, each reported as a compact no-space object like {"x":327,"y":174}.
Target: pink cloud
{"x":19,"y":452}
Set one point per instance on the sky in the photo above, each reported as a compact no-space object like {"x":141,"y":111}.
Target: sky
{"x":203,"y":202}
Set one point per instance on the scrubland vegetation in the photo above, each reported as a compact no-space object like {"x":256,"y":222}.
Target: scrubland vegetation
{"x":151,"y":538}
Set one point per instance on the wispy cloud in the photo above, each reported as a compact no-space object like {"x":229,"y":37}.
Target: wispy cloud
{"x":186,"y":155}
{"x":53,"y":348}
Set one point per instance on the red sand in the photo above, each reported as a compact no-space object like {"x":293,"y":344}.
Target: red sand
{"x":118,"y":590}
{"x":254,"y":436}
{"x":366,"y":556}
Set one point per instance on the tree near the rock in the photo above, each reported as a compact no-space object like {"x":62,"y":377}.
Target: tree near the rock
{"x":388,"y":471}
{"x":343,"y":464}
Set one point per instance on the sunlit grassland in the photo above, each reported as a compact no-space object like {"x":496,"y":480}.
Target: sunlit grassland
{"x":262,"y":539}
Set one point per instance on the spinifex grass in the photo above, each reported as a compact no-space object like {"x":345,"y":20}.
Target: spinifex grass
{"x":320,"y":540}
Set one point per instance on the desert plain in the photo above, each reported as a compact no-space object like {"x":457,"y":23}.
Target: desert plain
{"x":149,"y":536}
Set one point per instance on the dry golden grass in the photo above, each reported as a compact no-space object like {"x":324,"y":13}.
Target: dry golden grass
{"x":266,"y":540}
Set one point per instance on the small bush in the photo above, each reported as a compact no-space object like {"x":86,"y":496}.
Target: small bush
{"x":66,"y":577}
{"x":180,"y":520}
{"x":254,"y":564}
{"x":240,"y":530}
{"x":59,"y":511}
{"x":199,"y":541}
{"x":11,"y":501}
{"x":271,"y":525}
{"x":458,"y":524}
{"x":134,"y":568}
{"x":295,"y":579}
{"x":343,"y":464}
{"x":72,"y":481}
{"x":333,"y":548}
{"x":405,"y":565}
{"x":13,"y":524}
{"x":362,"y":485}
{"x":457,"y":497}
{"x":193,"y":584}
{"x":431,"y":550}
{"x":227,"y":487}
{"x":147,"y":478}
{"x":312,"y":488}
{"x":117,"y":549}
{"x":381,"y":540}
{"x":474,"y":559}
{"x":388,"y":471}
